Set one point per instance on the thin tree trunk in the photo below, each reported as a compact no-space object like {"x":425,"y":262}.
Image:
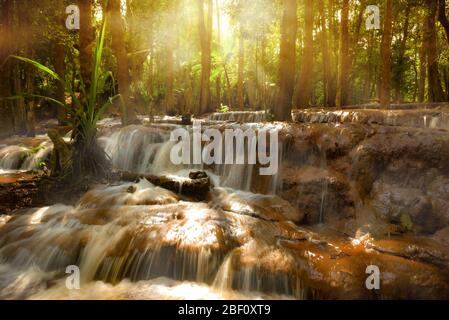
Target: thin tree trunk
{"x":5,"y":70}
{"x":170,"y":96}
{"x":30,"y":116}
{"x":341,"y":98}
{"x":205,"y":32}
{"x":333,"y":50}
{"x":327,"y":80}
{"x":86,"y":39}
{"x":240,"y":89}
{"x":218,"y":80}
{"x":20,"y":47}
{"x":229,"y":89}
{"x":423,"y":62}
{"x":305,"y":83}
{"x":401,"y":56}
{"x":118,"y":46}
{"x":443,"y":18}
{"x":149,"y":83}
{"x":386,"y":56}
{"x":354,"y":41}
{"x":287,"y":61}
{"x":59,"y":62}
{"x":435,"y":91}
{"x":263,"y":81}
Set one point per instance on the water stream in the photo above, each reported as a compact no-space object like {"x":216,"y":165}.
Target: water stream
{"x":139,"y":241}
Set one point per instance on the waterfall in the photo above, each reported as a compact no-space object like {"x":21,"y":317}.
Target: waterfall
{"x":147,"y":150}
{"x":239,"y":116}
{"x":24,"y":158}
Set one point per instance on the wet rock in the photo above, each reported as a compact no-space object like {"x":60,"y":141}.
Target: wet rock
{"x":417,"y":249}
{"x":405,"y":149}
{"x":320,"y":194}
{"x":394,"y":203}
{"x":442,"y":236}
{"x":268,"y":207}
{"x":195,"y":188}
{"x":19,"y":192}
{"x":338,"y":271}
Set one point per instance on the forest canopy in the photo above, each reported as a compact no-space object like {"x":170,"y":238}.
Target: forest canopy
{"x":200,"y":56}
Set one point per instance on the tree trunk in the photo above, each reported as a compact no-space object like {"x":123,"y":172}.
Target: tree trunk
{"x":327,"y":80}
{"x":435,"y":91}
{"x":118,"y":46}
{"x":59,"y":63}
{"x":197,"y":186}
{"x":341,"y":98}
{"x":5,"y":70}
{"x":401,"y":56}
{"x":423,"y":62}
{"x":30,"y":115}
{"x":60,"y":70}
{"x":240,"y":89}
{"x":170,"y":95}
{"x":287,"y":61}
{"x":218,"y":80}
{"x":333,"y":56}
{"x":205,"y":32}
{"x":21,"y":16}
{"x":86,"y":39}
{"x":149,"y":83}
{"x":443,"y":18}
{"x":386,"y":56}
{"x":305,"y":82}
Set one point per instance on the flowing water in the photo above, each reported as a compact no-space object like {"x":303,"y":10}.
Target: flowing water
{"x":139,"y":241}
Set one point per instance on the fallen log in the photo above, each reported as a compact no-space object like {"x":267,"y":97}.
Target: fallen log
{"x":197,"y":186}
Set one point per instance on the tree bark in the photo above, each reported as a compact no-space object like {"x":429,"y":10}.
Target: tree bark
{"x":170,"y":95}
{"x":327,"y":80}
{"x":287,"y":61}
{"x":443,"y":18}
{"x":218,"y":79}
{"x":205,"y":32}
{"x":435,"y":90}
{"x":5,"y":51}
{"x":333,"y":50}
{"x":240,"y":89}
{"x":86,"y":41}
{"x":422,"y":62}
{"x":341,"y":98}
{"x":6,"y":82}
{"x":305,"y":82}
{"x":118,"y":46}
{"x":196,"y":187}
{"x":385,"y":99}
{"x":59,"y":62}
{"x":401,"y":56}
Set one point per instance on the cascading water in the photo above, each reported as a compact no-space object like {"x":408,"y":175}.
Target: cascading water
{"x":139,"y":241}
{"x":147,"y":150}
{"x":25,"y":154}
{"x":142,"y":234}
{"x":239,"y":116}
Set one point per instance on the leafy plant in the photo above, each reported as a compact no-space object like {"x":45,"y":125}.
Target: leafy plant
{"x":223,"y":109}
{"x":87,"y":157}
